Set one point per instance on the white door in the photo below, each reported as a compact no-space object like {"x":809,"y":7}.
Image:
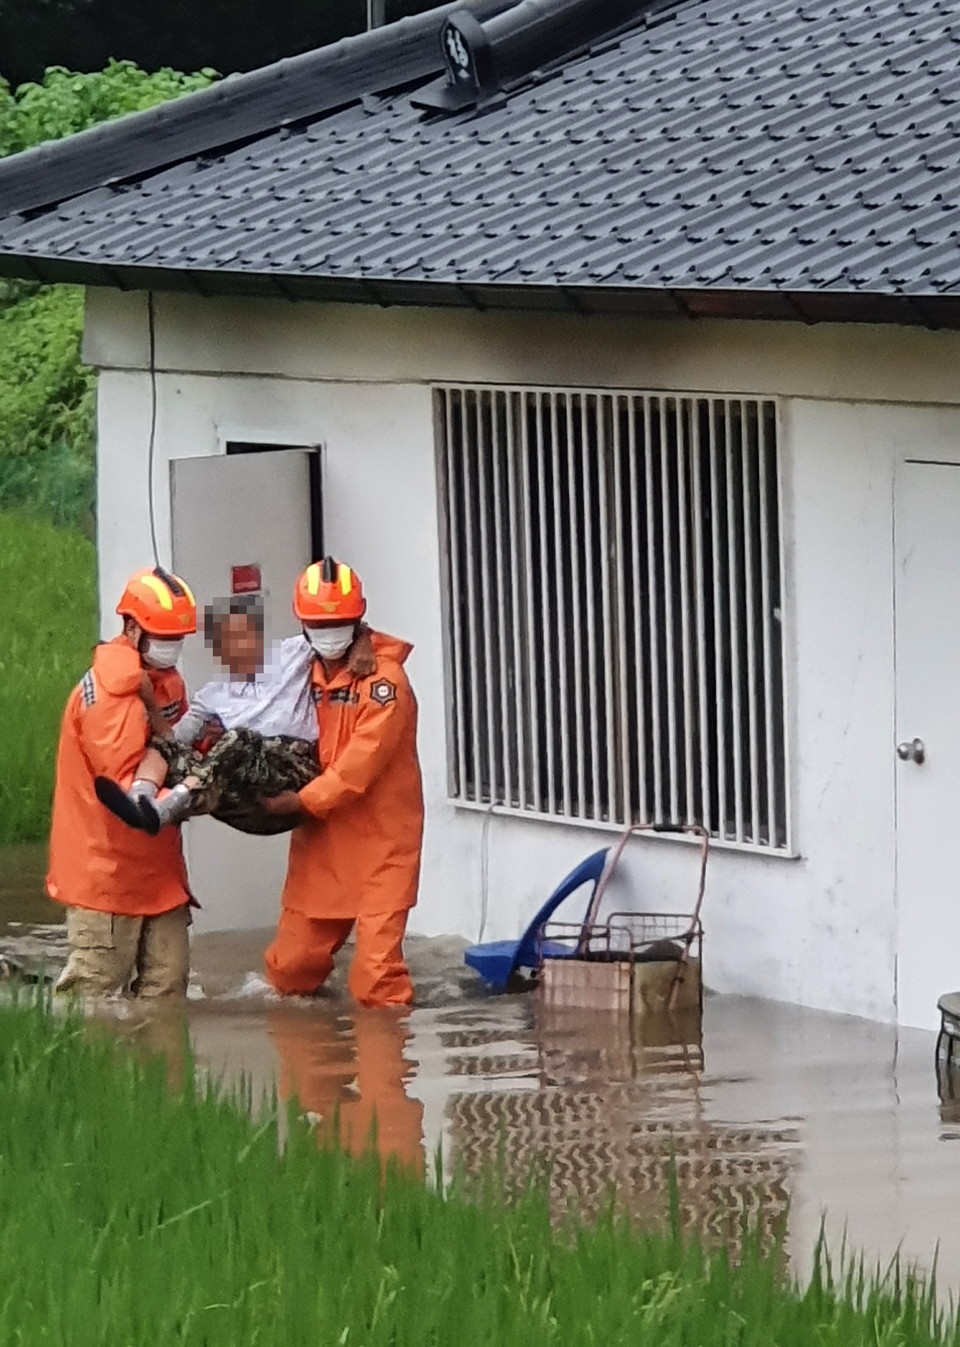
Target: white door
{"x":239,"y":510}
{"x":927,"y":746}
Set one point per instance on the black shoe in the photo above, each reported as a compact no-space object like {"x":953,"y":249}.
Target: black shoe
{"x":131,"y":812}
{"x":150,"y":820}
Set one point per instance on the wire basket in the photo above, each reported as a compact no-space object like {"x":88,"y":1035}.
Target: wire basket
{"x":632,"y":962}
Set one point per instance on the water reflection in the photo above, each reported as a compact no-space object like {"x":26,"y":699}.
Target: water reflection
{"x":619,"y":1111}
{"x":350,"y":1073}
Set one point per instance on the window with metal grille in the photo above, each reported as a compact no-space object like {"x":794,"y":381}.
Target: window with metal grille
{"x":613,"y":601}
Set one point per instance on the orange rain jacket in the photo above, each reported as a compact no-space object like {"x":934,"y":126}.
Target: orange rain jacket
{"x":95,"y":860}
{"x":359,"y":851}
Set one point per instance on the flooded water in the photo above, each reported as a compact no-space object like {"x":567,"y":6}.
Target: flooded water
{"x":770,"y":1109}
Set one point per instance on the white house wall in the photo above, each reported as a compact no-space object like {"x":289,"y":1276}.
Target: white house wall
{"x":817,"y":929}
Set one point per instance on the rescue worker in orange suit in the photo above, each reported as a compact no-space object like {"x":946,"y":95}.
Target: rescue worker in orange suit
{"x":355,"y":858}
{"x":126,"y":892}
{"x":351,"y":1074}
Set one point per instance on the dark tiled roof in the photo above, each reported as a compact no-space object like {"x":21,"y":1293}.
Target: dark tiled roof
{"x":805,"y":151}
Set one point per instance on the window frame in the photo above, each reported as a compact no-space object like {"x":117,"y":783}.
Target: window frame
{"x":441,"y":391}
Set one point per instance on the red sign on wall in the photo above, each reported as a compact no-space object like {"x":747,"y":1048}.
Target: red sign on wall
{"x":245,"y":579}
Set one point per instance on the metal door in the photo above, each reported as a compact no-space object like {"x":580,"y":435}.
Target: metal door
{"x":239,"y":510}
{"x":926,"y":747}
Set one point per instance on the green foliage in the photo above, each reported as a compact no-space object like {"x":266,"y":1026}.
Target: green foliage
{"x":48,"y":616}
{"x":133,"y":1212}
{"x":46,"y":393}
{"x":46,"y":408}
{"x":65,"y":102}
{"x":228,"y":34}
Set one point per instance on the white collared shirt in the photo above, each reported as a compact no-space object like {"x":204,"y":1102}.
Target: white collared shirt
{"x":278,"y":701}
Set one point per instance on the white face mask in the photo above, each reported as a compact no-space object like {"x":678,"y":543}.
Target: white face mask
{"x":163,"y":654}
{"x":330,"y":642}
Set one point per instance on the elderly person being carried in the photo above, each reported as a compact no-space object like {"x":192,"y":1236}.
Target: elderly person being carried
{"x":252,"y":735}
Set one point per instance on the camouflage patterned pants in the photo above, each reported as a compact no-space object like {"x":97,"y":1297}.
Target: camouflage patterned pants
{"x":240,"y":767}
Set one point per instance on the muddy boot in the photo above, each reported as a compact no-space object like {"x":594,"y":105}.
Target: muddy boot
{"x":125,"y":804}
{"x":175,"y":806}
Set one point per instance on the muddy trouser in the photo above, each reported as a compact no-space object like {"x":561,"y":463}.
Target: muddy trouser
{"x":145,"y":956}
{"x":240,"y":767}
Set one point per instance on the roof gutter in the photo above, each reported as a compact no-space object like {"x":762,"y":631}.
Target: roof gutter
{"x":933,"y":312}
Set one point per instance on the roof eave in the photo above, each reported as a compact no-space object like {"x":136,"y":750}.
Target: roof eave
{"x":804,"y":306}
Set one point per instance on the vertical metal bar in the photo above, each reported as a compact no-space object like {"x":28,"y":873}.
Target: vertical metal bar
{"x":620,"y":729}
{"x":767,"y":618}
{"x":502,"y":550}
{"x":455,"y":513}
{"x":590,"y":585}
{"x":699,"y":524}
{"x":578,"y":792}
{"x":535,"y":798}
{"x":687,"y":673}
{"x":666,"y":513}
{"x":734,"y":587}
{"x":546,"y":624}
{"x":473,"y":656}
{"x":639,"y":646}
{"x":610,"y":590}
{"x":484,"y":449}
{"x":514,"y":580}
{"x":785,"y":722}
{"x":748,"y":449}
{"x":653,"y":586}
{"x":561,"y":705}
{"x":719,"y":633}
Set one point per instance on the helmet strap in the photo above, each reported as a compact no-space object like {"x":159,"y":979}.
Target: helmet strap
{"x":133,"y":633}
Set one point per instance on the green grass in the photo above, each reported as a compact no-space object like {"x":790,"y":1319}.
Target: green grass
{"x":48,"y":625}
{"x":46,"y":406}
{"x":133,"y":1213}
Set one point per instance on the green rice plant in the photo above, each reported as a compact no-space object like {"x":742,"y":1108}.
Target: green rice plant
{"x":48,"y":617}
{"x":136,"y":1213}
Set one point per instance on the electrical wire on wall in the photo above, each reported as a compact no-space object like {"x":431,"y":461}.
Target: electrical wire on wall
{"x":151,"y":450}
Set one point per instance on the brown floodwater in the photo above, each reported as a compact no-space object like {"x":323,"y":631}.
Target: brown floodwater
{"x":22,"y":896}
{"x":769,"y":1110}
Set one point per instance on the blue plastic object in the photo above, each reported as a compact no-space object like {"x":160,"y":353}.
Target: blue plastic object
{"x":498,"y":960}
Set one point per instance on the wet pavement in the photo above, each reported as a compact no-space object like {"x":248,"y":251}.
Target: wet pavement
{"x":769,"y":1109}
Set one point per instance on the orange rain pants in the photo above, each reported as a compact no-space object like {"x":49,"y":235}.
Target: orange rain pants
{"x":356,"y":857}
{"x":301,"y":957}
{"x":350,"y":1076}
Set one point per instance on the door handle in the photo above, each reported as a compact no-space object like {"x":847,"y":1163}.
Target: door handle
{"x":912,"y":751}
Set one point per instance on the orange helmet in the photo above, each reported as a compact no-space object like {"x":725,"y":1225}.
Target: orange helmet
{"x":329,"y":592}
{"x":161,"y":603}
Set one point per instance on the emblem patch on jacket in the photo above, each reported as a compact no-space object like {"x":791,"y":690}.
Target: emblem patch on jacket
{"x":383,"y":692}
